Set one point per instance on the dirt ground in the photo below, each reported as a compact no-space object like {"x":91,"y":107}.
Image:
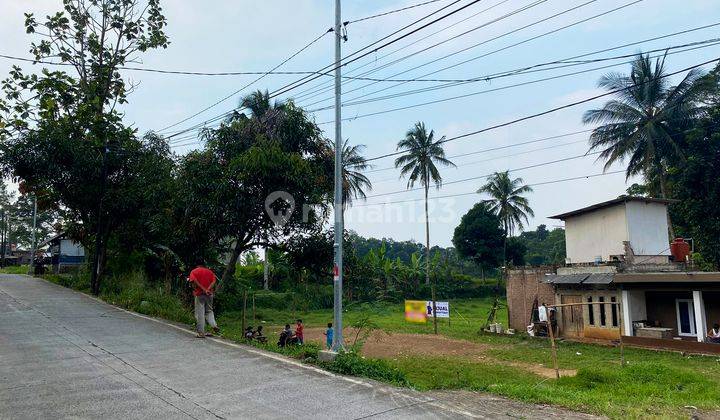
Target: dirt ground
{"x":383,"y":345}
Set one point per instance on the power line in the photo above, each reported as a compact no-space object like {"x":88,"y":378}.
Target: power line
{"x":492,"y":149}
{"x":251,"y":83}
{"x":497,"y":50}
{"x":475,"y":162}
{"x":386,"y":44}
{"x":323,"y":85}
{"x":389,"y":12}
{"x":562,"y":63}
{"x":702,"y":44}
{"x":710,"y":43}
{"x":555,"y":181}
{"x":332,"y":66}
{"x":548,"y":111}
{"x":473,"y":178}
{"x":483,"y":25}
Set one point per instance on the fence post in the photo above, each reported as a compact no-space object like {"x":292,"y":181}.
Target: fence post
{"x":253,"y":303}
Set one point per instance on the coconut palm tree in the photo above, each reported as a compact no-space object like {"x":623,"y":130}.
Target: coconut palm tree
{"x":419,"y":164}
{"x":641,"y":123}
{"x":508,"y":202}
{"x":355,"y":183}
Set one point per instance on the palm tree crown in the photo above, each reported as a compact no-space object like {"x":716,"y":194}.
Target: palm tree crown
{"x":507,"y":200}
{"x":423,"y":153}
{"x":641,"y":123}
{"x":355,"y":183}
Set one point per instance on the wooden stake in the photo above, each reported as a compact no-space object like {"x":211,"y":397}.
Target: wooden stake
{"x":554,"y":349}
{"x":253,"y":302}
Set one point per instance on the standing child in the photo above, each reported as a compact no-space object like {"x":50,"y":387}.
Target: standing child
{"x":329,"y":336}
{"x":299,"y":331}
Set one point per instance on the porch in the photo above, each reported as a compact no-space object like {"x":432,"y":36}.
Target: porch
{"x":670,"y":310}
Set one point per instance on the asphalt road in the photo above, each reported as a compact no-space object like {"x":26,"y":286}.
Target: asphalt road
{"x":66,"y":355}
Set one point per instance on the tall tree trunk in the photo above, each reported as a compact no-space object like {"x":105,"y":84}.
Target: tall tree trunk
{"x":427,"y":239}
{"x":230,"y":266}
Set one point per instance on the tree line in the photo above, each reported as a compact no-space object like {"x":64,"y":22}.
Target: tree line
{"x":127,"y":196}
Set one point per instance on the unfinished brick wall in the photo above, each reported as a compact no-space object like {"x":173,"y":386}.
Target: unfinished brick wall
{"x":523,"y":286}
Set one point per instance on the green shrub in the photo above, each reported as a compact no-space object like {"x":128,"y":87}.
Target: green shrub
{"x":15,"y":269}
{"x":351,"y":363}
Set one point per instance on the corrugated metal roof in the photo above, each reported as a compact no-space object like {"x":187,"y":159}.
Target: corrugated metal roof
{"x":602,"y":278}
{"x":566,"y":279}
{"x":586,"y":278}
{"x":609,"y":203}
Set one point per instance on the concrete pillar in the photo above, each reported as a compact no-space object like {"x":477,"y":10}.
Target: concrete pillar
{"x":627,"y":320}
{"x":700,"y":321}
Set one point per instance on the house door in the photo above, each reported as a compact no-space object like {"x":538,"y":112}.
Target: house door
{"x":685,"y":317}
{"x":572,"y":320}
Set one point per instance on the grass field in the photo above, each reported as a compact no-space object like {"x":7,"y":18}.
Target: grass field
{"x":654,"y":384}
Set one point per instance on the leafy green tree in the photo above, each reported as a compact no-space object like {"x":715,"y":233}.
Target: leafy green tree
{"x":694,"y":183}
{"x":543,"y":247}
{"x":244,"y":162}
{"x":420,"y":164}
{"x":69,"y":122}
{"x":643,"y":122}
{"x":480,"y":236}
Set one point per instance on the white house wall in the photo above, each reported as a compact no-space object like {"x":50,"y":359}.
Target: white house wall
{"x":648,"y":228}
{"x":598,"y":233}
{"x":70,"y":248}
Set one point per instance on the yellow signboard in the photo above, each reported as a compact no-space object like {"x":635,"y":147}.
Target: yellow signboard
{"x":415,"y":311}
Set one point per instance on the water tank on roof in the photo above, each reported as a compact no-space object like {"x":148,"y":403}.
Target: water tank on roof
{"x":680,"y":250}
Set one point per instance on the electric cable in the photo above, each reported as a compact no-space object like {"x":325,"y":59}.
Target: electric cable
{"x":548,"y":111}
{"x":533,"y":38}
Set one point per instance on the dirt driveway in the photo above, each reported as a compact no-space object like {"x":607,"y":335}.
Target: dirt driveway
{"x":383,"y":345}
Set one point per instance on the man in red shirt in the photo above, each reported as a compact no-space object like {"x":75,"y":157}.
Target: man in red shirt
{"x":203,"y":281}
{"x":299,"y":332}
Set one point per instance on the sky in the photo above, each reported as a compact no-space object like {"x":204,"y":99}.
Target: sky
{"x":251,"y":35}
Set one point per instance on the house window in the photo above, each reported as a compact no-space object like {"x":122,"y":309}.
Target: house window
{"x":614,"y":311}
{"x":603,"y":320}
{"x":591,"y":311}
{"x":685,"y":317}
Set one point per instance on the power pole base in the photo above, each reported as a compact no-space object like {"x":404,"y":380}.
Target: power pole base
{"x":327,"y":355}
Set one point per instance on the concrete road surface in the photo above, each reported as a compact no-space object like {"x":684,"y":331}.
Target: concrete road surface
{"x":66,"y":355}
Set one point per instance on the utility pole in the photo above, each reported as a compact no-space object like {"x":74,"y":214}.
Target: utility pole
{"x":34,"y":244}
{"x":3,"y":237}
{"x":338,"y":343}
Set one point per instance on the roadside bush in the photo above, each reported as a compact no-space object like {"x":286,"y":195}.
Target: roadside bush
{"x":351,"y":363}
{"x":76,"y":281}
{"x":15,"y":269}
